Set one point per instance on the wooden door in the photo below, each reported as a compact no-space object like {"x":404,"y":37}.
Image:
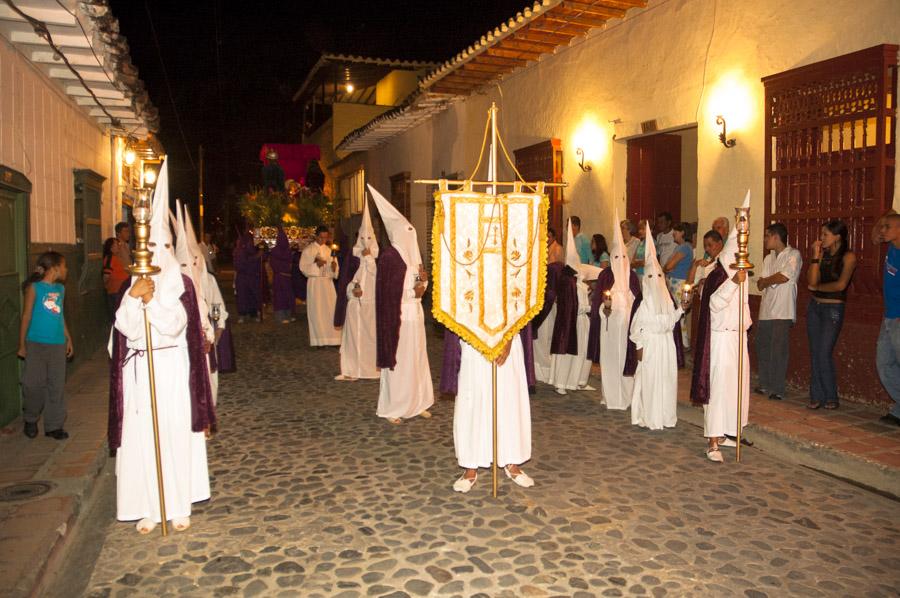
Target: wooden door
{"x":544,"y":162}
{"x":12,"y":273}
{"x":654,"y":177}
{"x":400,"y":193}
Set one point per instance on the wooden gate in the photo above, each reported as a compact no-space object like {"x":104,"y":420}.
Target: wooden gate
{"x":544,"y":162}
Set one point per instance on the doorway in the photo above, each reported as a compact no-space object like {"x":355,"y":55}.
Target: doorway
{"x":662,"y":176}
{"x":14,"y":192}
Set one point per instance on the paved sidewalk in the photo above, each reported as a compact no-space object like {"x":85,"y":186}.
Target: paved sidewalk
{"x":848,"y":442}
{"x":34,"y":531}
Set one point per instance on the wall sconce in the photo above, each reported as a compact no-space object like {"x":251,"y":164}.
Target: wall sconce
{"x":129,"y":155}
{"x":150,"y":176}
{"x":723,"y":136}
{"x":348,"y":85}
{"x":584,"y":167}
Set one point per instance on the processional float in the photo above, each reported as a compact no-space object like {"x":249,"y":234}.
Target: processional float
{"x":489,"y":258}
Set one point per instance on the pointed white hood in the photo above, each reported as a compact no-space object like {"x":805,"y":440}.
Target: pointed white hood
{"x":654,"y":288}
{"x":190,"y":267}
{"x":727,"y":255}
{"x":585,"y":271}
{"x":618,"y":258}
{"x":399,"y":230}
{"x":366,"y":235}
{"x":169,"y":285}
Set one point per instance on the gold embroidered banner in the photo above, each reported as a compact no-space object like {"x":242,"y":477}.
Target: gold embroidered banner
{"x":489,"y":260}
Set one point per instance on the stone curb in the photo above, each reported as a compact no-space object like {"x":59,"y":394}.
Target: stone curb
{"x":819,"y":457}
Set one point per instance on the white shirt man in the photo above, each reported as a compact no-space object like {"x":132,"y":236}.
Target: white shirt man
{"x":321,"y":269}
{"x":665,"y":240}
{"x":777,"y":310}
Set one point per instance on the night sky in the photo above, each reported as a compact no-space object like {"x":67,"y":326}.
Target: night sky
{"x":234,"y":66}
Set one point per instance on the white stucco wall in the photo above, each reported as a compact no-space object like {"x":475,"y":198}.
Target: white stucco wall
{"x":45,"y":136}
{"x":652,"y":65}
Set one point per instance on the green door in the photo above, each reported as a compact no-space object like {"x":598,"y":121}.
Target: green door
{"x":12,"y":272}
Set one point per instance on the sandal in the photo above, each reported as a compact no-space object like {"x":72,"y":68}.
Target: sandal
{"x":813,"y":405}
{"x":145,"y":526}
{"x":464,"y":484}
{"x":395,"y":420}
{"x":181,"y":523}
{"x":715,"y":455}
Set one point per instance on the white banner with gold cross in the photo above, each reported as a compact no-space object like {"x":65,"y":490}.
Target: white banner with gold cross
{"x":489,"y":255}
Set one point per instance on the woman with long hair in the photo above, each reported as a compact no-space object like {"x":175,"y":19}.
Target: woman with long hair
{"x":599,"y":251}
{"x":114,"y":275}
{"x":829,"y":274}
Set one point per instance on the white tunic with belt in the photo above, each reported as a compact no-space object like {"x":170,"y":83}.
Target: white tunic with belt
{"x":720,"y":415}
{"x":320,"y":295}
{"x":358,"y":348}
{"x":571,"y":372}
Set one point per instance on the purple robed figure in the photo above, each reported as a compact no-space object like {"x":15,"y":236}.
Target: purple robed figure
{"x":700,"y":377}
{"x":349,"y":266}
{"x":248,"y":272}
{"x":565,"y":332}
{"x":388,"y":297}
{"x":203,"y":414}
{"x":553,"y":272}
{"x":453,"y":356}
{"x":282,"y":285}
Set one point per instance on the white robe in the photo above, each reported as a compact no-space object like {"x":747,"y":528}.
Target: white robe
{"x":571,"y":372}
{"x":185,"y":473}
{"x":655,"y":399}
{"x":720,"y":415}
{"x":320,"y":295}
{"x":542,"y":347}
{"x":473,"y":411}
{"x":213,"y":295}
{"x":358,"y":348}
{"x":406,"y":391}
{"x":617,"y":388}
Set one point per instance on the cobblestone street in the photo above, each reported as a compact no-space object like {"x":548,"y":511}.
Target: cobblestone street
{"x":315,"y":496}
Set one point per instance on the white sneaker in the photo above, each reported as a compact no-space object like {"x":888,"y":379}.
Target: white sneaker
{"x":522,"y":479}
{"x":464,"y":484}
{"x":586,"y":387}
{"x":344,"y":378}
{"x":727,"y":442}
{"x":561,"y":391}
{"x":715,"y":455}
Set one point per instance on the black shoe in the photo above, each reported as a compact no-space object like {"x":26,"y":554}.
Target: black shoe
{"x":760,"y":390}
{"x":776,"y":397}
{"x":888,"y":418}
{"x":744,"y":440}
{"x":59,"y":434}
{"x":31,"y":429}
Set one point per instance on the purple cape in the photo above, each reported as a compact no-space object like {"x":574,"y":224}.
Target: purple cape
{"x":453,"y":357}
{"x":225,"y":361}
{"x":605,"y":282}
{"x":282,"y":285}
{"x":389,"y":282}
{"x":297,"y":279}
{"x":553,"y":272}
{"x":700,"y":379}
{"x":349,"y":266}
{"x":565,"y":328}
{"x":247,"y":274}
{"x":203,"y":414}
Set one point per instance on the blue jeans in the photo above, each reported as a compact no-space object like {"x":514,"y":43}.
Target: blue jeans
{"x":888,"y":360}
{"x":823,"y":325}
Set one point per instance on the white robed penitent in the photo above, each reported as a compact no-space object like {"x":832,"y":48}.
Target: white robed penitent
{"x":655,"y":398}
{"x":358,"y":349}
{"x":405,"y":391}
{"x":617,"y":388}
{"x":725,"y":305}
{"x":183,"y":452}
{"x":571,"y":372}
{"x":320,"y":294}
{"x":541,"y":346}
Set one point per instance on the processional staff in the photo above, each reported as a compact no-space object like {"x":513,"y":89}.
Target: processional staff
{"x":143,"y":267}
{"x":742,"y":263}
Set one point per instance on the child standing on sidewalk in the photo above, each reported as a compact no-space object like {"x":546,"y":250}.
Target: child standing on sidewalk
{"x":44,"y":344}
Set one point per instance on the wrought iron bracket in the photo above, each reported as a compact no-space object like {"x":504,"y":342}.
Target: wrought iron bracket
{"x":723,"y":136}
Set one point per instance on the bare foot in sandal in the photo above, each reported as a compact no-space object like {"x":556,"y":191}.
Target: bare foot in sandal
{"x":181,"y":523}
{"x":145,"y":526}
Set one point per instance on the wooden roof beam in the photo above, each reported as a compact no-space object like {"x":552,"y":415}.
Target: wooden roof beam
{"x":626,"y":4}
{"x":586,"y":22}
{"x":593,"y":10}
{"x":513,"y":43}
{"x":561,"y":39}
{"x":499,"y":61}
{"x":486,"y":68}
{"x":556,"y":28}
{"x":519,"y":54}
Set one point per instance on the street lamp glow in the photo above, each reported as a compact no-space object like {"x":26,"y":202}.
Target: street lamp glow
{"x":349,"y":87}
{"x":129,"y":156}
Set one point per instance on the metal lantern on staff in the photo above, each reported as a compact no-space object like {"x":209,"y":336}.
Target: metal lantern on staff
{"x":143,"y":267}
{"x":742,"y":263}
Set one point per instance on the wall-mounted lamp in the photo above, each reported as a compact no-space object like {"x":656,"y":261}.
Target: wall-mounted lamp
{"x":149,"y":176}
{"x":723,"y":136}
{"x":584,"y":167}
{"x":348,"y":85}
{"x":129,"y":155}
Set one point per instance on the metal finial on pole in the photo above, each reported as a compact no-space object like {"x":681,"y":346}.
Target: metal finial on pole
{"x":143,"y":267}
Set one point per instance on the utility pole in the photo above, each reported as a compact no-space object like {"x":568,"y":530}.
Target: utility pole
{"x":201,"y":195}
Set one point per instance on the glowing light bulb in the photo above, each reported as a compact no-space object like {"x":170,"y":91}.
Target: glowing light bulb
{"x":349,"y":87}
{"x":129,"y":156}
{"x":149,"y":176}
